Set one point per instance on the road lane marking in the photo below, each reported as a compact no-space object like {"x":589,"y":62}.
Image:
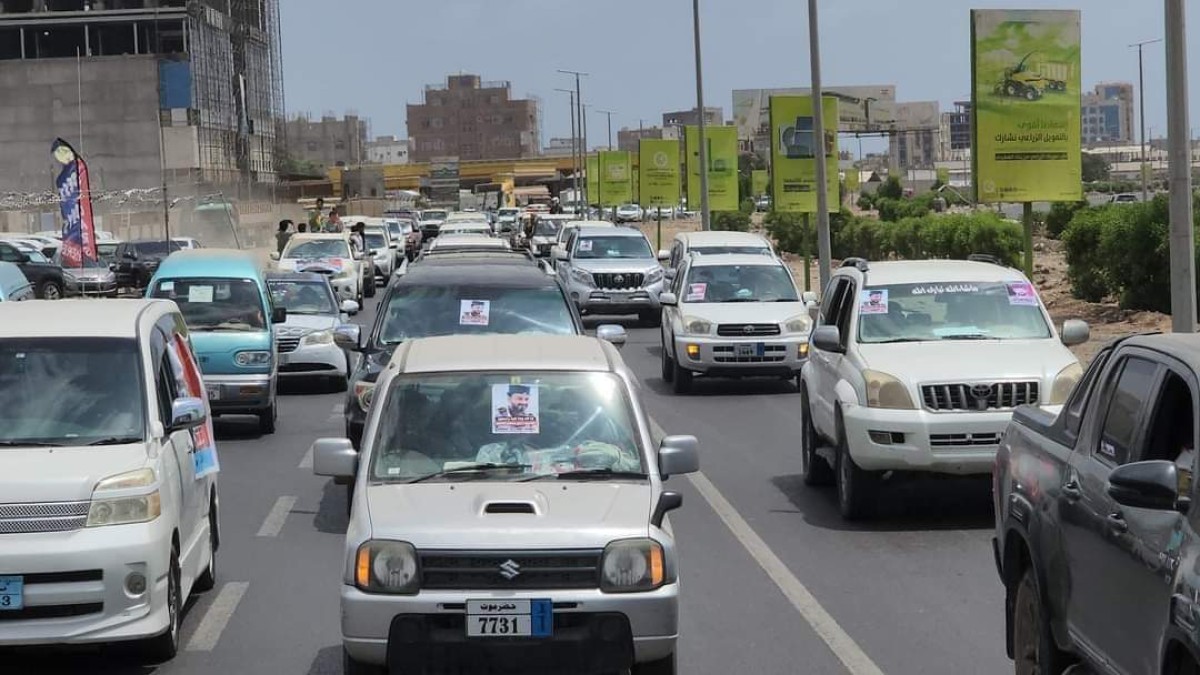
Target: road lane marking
{"x":208,"y":633}
{"x":307,"y":461}
{"x":822,"y":622}
{"x":277,"y":517}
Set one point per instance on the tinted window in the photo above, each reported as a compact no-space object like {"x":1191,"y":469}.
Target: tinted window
{"x":967,"y":310}
{"x":424,"y":311}
{"x":831,"y":300}
{"x":303,"y":297}
{"x":224,"y":305}
{"x":1124,"y":407}
{"x":156,"y":247}
{"x":1082,"y":392}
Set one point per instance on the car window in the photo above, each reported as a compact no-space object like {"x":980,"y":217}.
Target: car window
{"x":546,"y":423}
{"x":1129,"y":396}
{"x":832,"y":300}
{"x":375,"y":240}
{"x":739,"y":283}
{"x":968,"y":310}
{"x":1171,"y":429}
{"x":416,"y":311}
{"x":218,"y":305}
{"x":1082,"y":393}
{"x":157,"y":247}
{"x":10,"y":254}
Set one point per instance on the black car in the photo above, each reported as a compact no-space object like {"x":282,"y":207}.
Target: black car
{"x":46,"y":277}
{"x":137,"y":261}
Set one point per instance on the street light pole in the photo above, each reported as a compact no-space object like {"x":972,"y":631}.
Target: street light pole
{"x":609,"y":114}
{"x":582,"y":125}
{"x":1182,"y":238}
{"x":587,"y":186}
{"x":1142,"y":112}
{"x":705,"y":221}
{"x":574,"y":146}
{"x":824,"y":246}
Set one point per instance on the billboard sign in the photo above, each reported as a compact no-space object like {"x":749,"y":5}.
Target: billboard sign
{"x":722,"y":159}
{"x":659,"y":172}
{"x":793,"y":155}
{"x":616,"y":178}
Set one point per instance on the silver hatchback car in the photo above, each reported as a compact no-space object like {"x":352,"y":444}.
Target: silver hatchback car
{"x":509,"y":513}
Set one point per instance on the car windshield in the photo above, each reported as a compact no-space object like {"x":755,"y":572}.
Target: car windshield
{"x":722,"y":250}
{"x":107,"y":250}
{"x":969,"y":310}
{"x":156,"y":247}
{"x":539,"y":424}
{"x":613,"y":247}
{"x":227,"y":305}
{"x":547,"y":228}
{"x":375,"y":240}
{"x":739,"y":283}
{"x":434,"y":215}
{"x":318,"y":248}
{"x":416,"y":311}
{"x":70,"y":391}
{"x":396,"y":228}
{"x":503,"y":213}
{"x":303,"y":297}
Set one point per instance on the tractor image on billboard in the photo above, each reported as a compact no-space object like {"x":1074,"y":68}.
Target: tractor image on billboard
{"x":1022,"y":81}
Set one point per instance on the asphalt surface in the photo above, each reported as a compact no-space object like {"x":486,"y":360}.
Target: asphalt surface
{"x":773,"y":582}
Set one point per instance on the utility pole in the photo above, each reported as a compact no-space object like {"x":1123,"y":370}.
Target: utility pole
{"x":162,"y":142}
{"x":587,"y":185}
{"x":705,"y":220}
{"x":1142,"y":112}
{"x":824,"y":247}
{"x":609,"y":113}
{"x":574,"y":146}
{"x":582,"y":124}
{"x":1183,"y":239}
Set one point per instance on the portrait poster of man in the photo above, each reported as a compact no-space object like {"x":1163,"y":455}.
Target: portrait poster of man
{"x":515,"y":409}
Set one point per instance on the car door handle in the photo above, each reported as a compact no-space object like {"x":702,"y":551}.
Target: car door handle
{"x":1071,"y":491}
{"x":1117,"y":523}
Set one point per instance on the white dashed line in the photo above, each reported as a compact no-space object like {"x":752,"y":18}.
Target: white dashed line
{"x":277,"y":517}
{"x":307,"y":461}
{"x":208,"y":633}
{"x":822,"y":622}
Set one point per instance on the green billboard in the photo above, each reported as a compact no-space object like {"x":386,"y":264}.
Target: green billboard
{"x":615,"y":184}
{"x":722,"y":167}
{"x":659,"y":172}
{"x":793,"y":154}
{"x":1025,"y":93}
{"x":760,"y":182}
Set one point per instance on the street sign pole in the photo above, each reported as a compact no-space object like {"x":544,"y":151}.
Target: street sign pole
{"x":1027,"y":221}
{"x":824,"y":246}
{"x":1183,"y":240}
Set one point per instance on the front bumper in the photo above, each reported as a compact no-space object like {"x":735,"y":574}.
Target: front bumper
{"x":409,"y":631}
{"x":90,"y":288}
{"x":312,"y":360}
{"x":238,"y":394}
{"x":384,"y":264}
{"x":616,"y":301}
{"x":74,"y":591}
{"x":961,"y":443}
{"x":719,"y":356}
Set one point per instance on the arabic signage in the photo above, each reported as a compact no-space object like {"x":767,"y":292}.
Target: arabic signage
{"x":1025,"y":70}
{"x":659,"y":160}
{"x":616,"y":178}
{"x":722,"y":158}
{"x":75,"y":201}
{"x":444,"y":181}
{"x":793,"y":155}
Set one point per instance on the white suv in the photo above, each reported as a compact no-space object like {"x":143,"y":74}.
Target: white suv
{"x":917,"y":366}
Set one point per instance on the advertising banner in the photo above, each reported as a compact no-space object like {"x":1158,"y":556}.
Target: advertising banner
{"x":75,"y":202}
{"x":793,"y":155}
{"x":444,"y":181}
{"x":591,"y":177}
{"x":1025,"y":71}
{"x":760,"y":182}
{"x":722,"y":158}
{"x":659,"y":160}
{"x":616,"y":178}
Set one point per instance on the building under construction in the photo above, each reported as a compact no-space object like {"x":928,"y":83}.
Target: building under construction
{"x":186,"y":92}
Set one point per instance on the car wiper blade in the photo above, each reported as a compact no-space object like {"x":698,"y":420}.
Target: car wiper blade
{"x":893,"y":341}
{"x":29,"y":444}
{"x":967,"y":336}
{"x":117,"y":440}
{"x":587,"y":473}
{"x":742,"y":300}
{"x":480,"y":468}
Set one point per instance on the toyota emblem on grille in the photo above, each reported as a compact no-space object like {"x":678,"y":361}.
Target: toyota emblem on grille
{"x":620,"y":278}
{"x":509,"y":569}
{"x":748,"y":330}
{"x":981,"y":390}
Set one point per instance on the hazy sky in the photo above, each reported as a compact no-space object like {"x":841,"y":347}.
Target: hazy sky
{"x":374,"y":56}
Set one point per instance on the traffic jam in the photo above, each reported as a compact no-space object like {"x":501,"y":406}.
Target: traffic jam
{"x":509,"y":496}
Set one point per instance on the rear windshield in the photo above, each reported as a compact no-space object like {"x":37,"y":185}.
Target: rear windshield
{"x":425,"y":311}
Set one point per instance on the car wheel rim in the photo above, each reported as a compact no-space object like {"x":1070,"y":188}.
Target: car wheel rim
{"x":51,"y":292}
{"x":173,"y":604}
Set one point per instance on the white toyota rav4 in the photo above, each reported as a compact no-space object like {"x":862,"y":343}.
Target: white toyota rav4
{"x":918,"y":365}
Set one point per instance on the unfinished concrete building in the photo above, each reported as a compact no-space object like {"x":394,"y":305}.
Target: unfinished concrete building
{"x":186,"y":91}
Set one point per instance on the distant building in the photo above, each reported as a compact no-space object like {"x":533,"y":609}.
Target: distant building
{"x":387,"y":150}
{"x":473,"y":120}
{"x":328,"y":142}
{"x":558,"y":147}
{"x":914,"y":144}
{"x":627,"y":139}
{"x":712,"y":117}
{"x":954,"y":138}
{"x":1107,"y":114}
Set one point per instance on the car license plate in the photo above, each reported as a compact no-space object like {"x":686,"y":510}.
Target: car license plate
{"x":510,"y":618}
{"x":12,"y":595}
{"x":754,"y":349}
{"x":618,"y":297}
{"x":214,"y":392}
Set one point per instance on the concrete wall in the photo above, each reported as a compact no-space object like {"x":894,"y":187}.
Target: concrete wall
{"x":120,"y":120}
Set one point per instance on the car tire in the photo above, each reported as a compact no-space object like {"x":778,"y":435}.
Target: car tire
{"x":267,"y":419}
{"x":652,"y":319}
{"x":856,"y":488}
{"x":1034,"y":649}
{"x":817,"y":472}
{"x":165,"y":646}
{"x":665,"y":666}
{"x":51,"y":290}
{"x":681,"y":378}
{"x":208,"y":578}
{"x":668,"y":367}
{"x":352,"y":666}
{"x":369,"y":291}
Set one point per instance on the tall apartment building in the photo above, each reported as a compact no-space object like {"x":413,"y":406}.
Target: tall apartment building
{"x":473,"y":120}
{"x":914,"y":143}
{"x":387,"y":150}
{"x":194,"y":87}
{"x":627,"y":139}
{"x":713,"y":117}
{"x":330,"y":141}
{"x":954,"y":139}
{"x":1107,"y":114}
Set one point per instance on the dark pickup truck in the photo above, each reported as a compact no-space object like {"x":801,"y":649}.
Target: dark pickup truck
{"x":1096,"y":520}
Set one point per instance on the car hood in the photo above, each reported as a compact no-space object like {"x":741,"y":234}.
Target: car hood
{"x":62,"y":474}
{"x":567,"y":514}
{"x":305,"y":323}
{"x":745,"y":312}
{"x":616,"y":264}
{"x":969,"y":360}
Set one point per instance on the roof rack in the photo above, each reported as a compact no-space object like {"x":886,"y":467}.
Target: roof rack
{"x":860,"y":264}
{"x":986,"y":258}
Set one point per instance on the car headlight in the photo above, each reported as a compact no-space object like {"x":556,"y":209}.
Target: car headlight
{"x":631,"y":566}
{"x":798,"y":324}
{"x":696,"y":326}
{"x":582,"y":277}
{"x":318,"y":337}
{"x":654,"y":276}
{"x":251,"y":359}
{"x":364,"y":392}
{"x":1064,"y":382}
{"x":885,"y":391}
{"x":387,"y":567}
{"x":112,"y":506}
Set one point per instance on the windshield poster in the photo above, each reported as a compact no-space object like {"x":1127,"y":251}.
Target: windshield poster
{"x":794,"y":152}
{"x":1025,"y":70}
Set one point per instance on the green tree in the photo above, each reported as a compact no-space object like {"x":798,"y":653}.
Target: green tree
{"x":1095,"y":168}
{"x":891,"y":189}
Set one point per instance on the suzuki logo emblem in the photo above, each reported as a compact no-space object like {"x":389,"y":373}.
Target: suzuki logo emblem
{"x":510,"y":570}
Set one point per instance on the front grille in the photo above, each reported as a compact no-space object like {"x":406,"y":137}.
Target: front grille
{"x":618,"y":280}
{"x":771,"y":354}
{"x":289,"y":344}
{"x":964,"y":440}
{"x":52,"y":611}
{"x":747,"y":329}
{"x":43,"y":517}
{"x":454,"y":570}
{"x":999,"y":396}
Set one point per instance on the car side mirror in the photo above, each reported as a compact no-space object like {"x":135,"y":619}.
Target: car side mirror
{"x":274,"y":255}
{"x":348,"y":337}
{"x":334,"y":457}
{"x":664,"y":255}
{"x":678,"y":455}
{"x":278,"y":314}
{"x":828,"y":339}
{"x":350,"y":307}
{"x":1075,"y":332}
{"x":187,"y":413}
{"x":667,"y":299}
{"x":612,"y":333}
{"x":809,"y":296}
{"x":1146,"y":485}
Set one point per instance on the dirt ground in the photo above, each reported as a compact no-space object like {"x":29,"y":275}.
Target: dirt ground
{"x":1107,"y":320}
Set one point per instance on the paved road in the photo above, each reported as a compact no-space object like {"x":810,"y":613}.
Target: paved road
{"x":773,"y":582}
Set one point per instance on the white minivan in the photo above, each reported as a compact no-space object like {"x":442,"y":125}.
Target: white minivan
{"x":108,"y":497}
